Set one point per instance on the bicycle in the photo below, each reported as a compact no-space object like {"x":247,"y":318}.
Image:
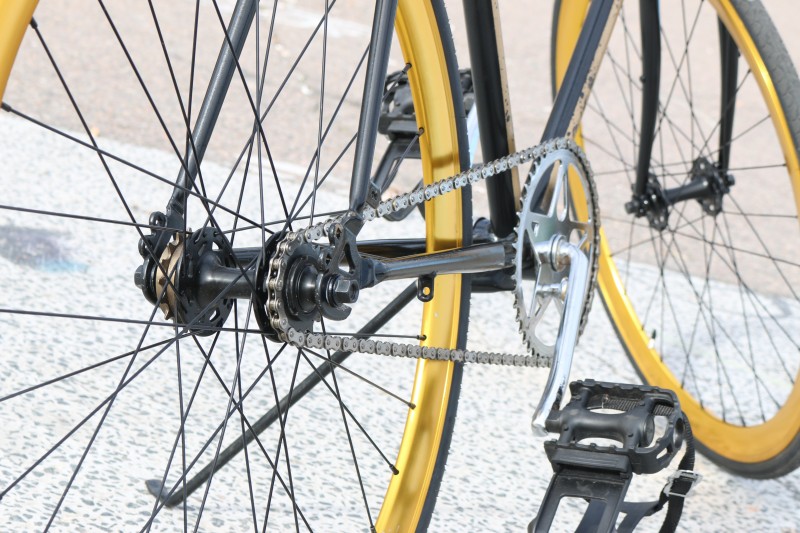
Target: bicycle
{"x":193,"y":314}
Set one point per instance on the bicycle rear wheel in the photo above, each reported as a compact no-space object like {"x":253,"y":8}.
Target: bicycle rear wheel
{"x":80,"y":439}
{"x":705,"y":300}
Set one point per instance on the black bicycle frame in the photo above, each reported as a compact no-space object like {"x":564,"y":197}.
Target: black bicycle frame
{"x":577,"y":83}
{"x":237,"y":30}
{"x":651,"y":79}
{"x":377,"y":63}
{"x":487,"y":76}
{"x":492,"y":101}
{"x":494,"y":113}
{"x":495,"y":138}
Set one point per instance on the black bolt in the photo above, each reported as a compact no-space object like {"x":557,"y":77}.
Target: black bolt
{"x":138,"y":277}
{"x":345,"y":291}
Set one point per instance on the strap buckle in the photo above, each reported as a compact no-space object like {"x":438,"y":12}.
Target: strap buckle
{"x":685,"y":480}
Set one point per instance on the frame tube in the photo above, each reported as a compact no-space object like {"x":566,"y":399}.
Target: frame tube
{"x":493,"y":109}
{"x":377,"y":63}
{"x":470,"y":260}
{"x":651,"y":78}
{"x":238,"y":28}
{"x":577,"y":84}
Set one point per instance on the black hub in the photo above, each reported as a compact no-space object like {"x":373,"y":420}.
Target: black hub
{"x":714,"y":183}
{"x":195,"y":280}
{"x":652,"y":204}
{"x":204,"y":255}
{"x":192,"y":297}
{"x":315,"y":288}
{"x":707,"y":184}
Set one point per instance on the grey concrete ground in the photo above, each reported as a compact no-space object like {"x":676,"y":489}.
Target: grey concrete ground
{"x":497,"y":471}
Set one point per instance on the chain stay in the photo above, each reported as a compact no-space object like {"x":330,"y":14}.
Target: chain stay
{"x":279,"y":263}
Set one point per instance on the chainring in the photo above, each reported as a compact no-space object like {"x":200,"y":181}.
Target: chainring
{"x":542,"y":158}
{"x":559,"y":199}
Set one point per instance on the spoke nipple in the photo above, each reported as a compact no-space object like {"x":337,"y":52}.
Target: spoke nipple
{"x":395,"y":471}
{"x":412,"y":405}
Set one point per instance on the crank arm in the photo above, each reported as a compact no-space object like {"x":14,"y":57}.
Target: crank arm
{"x":469,"y":260}
{"x":568,"y":330}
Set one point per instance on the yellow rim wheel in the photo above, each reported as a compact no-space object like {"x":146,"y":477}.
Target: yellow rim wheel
{"x":16,"y":16}
{"x":418,"y":32}
{"x":735,"y":439}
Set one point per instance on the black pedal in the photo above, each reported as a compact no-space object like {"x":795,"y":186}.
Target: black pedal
{"x":398,"y":122}
{"x":642,"y":430}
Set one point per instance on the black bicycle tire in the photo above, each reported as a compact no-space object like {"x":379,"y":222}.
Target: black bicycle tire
{"x":787,"y":85}
{"x":454,"y":81}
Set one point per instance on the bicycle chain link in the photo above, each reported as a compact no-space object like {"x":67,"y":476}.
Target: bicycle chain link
{"x":279,"y":263}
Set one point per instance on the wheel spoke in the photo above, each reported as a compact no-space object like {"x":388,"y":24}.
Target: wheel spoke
{"x":278,"y":181}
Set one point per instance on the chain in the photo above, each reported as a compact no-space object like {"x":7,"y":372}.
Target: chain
{"x":279,"y":263}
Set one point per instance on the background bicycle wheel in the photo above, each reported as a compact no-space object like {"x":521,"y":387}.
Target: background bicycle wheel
{"x":722,"y":502}
{"x":497,"y":471}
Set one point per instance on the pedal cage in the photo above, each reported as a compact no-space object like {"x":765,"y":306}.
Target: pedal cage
{"x":398,"y":123}
{"x":598,"y":473}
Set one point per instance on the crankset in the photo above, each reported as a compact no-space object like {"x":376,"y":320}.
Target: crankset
{"x":298,"y":278}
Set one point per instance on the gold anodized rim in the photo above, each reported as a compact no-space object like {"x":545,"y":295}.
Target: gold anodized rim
{"x":417,"y":31}
{"x":752,"y":444}
{"x":14,"y":18}
{"x":418,"y":34}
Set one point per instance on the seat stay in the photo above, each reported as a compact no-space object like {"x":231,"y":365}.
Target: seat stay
{"x":377,"y":65}
{"x":236,"y":34}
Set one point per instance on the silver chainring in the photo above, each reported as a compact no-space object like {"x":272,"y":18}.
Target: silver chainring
{"x":559,"y":199}
{"x":274,"y":282}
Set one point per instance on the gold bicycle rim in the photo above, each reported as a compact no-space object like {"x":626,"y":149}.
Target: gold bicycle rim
{"x":751,"y":444}
{"x":418,"y":34}
{"x":14,"y":18}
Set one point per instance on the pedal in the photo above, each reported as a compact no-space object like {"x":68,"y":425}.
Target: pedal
{"x":398,"y":122}
{"x":642,"y":428}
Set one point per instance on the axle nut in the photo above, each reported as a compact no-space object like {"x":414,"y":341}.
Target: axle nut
{"x":345,"y":291}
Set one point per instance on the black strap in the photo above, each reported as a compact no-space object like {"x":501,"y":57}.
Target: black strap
{"x":681,"y":486}
{"x":673,"y":495}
